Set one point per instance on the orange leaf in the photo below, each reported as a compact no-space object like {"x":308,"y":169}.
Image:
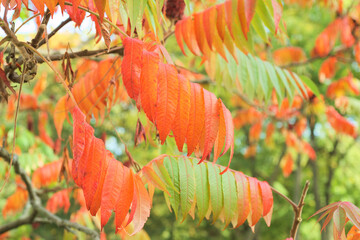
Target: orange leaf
{"x":327,"y":38}
{"x":180,"y":126}
{"x":357,"y":53}
{"x":327,"y":69}
{"x":200,"y":34}
{"x":287,"y":55}
{"x":339,"y":123}
{"x":15,"y":202}
{"x":168,"y":91}
{"x":40,"y":85}
{"x":125,"y":198}
{"x":197,"y":116}
{"x":113,"y":185}
{"x":60,"y":113}
{"x":148,"y":81}
{"x":287,"y":164}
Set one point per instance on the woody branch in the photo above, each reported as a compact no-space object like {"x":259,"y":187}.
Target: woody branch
{"x":36,"y":208}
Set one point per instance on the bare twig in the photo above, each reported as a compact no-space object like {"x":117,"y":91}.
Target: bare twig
{"x":84,"y":53}
{"x":43,"y":41}
{"x":294,"y":205}
{"x":298,"y":211}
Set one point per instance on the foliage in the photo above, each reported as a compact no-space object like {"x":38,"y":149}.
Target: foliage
{"x":275,"y":82}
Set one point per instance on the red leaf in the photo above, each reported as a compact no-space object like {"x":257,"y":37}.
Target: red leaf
{"x":112,"y":189}
{"x":277,"y":13}
{"x":256,"y":201}
{"x":131,"y":66}
{"x":143,"y":205}
{"x":46,"y":174}
{"x":221,"y":135}
{"x":211,"y":122}
{"x":100,"y":5}
{"x":96,"y":202}
{"x":78,"y":140}
{"x":93,"y":169}
{"x":59,"y":200}
{"x":243,"y":197}
{"x":168,"y":90}
{"x":249,"y":11}
{"x":267,"y":200}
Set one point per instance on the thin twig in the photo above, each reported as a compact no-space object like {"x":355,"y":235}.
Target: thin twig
{"x":15,"y":124}
{"x":53,"y":32}
{"x":294,"y":205}
{"x":298,"y":212}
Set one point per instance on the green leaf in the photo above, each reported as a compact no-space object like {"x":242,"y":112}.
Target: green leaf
{"x":229,"y":196}
{"x":265,"y":15}
{"x":310,"y":84}
{"x":216,"y":197}
{"x":187,"y":185}
{"x":273,"y":78}
{"x":202,"y":190}
{"x":286,"y":83}
{"x":163,"y":174}
{"x":171,"y":166}
{"x":135,"y":11}
{"x":259,"y":27}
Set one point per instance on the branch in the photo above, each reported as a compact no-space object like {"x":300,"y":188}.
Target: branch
{"x":23,"y":220}
{"x":43,"y":41}
{"x":297,"y":217}
{"x":14,"y":39}
{"x":42,"y":28}
{"x":84,"y":53}
{"x":35,"y":202}
{"x":53,"y":219}
{"x":294,"y":205}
